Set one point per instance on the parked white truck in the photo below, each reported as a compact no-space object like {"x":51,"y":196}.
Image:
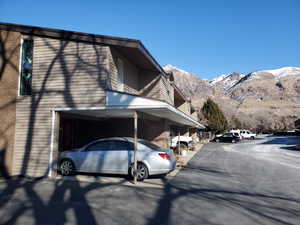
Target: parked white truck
{"x":245,"y":134}
{"x":185,"y":141}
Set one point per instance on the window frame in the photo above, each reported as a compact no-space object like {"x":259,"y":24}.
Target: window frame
{"x":21,"y":66}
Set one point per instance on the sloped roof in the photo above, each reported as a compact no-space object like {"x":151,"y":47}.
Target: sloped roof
{"x":133,"y":49}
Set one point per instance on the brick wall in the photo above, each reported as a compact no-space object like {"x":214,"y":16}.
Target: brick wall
{"x":9,"y":65}
{"x":156,"y":131}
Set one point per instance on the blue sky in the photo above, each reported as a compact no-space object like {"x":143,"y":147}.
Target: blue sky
{"x":205,"y":37}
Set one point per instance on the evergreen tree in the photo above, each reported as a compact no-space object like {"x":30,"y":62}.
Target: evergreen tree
{"x":215,"y":117}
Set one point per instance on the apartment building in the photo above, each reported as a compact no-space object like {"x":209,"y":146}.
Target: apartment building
{"x":61,"y":89}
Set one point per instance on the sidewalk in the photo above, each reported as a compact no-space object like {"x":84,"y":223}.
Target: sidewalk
{"x":183,"y":160}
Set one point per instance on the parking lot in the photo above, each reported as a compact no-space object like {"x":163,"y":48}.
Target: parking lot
{"x":279,"y":149}
{"x":250,"y":182}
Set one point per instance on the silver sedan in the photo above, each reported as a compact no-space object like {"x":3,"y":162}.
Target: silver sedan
{"x":115,"y":156}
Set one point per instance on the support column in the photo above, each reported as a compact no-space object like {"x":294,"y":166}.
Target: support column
{"x":178,"y":145}
{"x":54,"y":144}
{"x":135,"y":117}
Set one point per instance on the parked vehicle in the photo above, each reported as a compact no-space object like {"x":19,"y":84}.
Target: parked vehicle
{"x":238,"y":135}
{"x":228,"y":137}
{"x":115,"y":156}
{"x":247,"y":134}
{"x":185,"y":142}
{"x":236,"y":131}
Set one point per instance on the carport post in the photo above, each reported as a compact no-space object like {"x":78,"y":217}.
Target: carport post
{"x":135,"y":117}
{"x":178,"y":146}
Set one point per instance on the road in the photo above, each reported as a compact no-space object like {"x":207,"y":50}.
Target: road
{"x":252,"y":182}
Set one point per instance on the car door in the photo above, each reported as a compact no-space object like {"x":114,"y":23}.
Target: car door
{"x":229,"y":138}
{"x":117,"y":159}
{"x":92,"y":158}
{"x":245,"y":134}
{"x":248,"y":134}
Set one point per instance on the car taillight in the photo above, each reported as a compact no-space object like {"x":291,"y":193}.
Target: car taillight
{"x":164,"y":155}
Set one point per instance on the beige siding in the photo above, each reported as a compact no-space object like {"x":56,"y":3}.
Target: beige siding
{"x":65,"y":74}
{"x":153,"y":85}
{"x":185,"y":107}
{"x":140,"y":82}
{"x":131,"y":73}
{"x":9,"y":62}
{"x":166,"y":90}
{"x":194,"y":115}
{"x":149,"y":84}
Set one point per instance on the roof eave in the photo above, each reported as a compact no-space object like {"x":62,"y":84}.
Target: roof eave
{"x":83,"y":37}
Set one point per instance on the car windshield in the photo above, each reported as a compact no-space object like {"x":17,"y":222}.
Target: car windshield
{"x":236,"y":134}
{"x":149,"y":144}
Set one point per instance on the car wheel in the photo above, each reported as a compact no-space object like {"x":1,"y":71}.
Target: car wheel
{"x":67,"y":167}
{"x":217,"y":140}
{"x":233,"y":141}
{"x":252,"y":138}
{"x":142,"y":171}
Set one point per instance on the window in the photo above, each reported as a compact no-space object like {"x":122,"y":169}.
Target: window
{"x":123,"y":145}
{"x":26,"y":67}
{"x":100,"y":146}
{"x":120,"y":67}
{"x":110,"y":146}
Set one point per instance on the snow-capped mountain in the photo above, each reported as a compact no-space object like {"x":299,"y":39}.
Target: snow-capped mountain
{"x":267,"y":97}
{"x":190,"y":84}
{"x":227,"y":81}
{"x":277,"y":73}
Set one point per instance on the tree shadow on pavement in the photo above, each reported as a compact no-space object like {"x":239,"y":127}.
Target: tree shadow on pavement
{"x":50,"y":203}
{"x":294,"y":148}
{"x":189,"y":201}
{"x":23,"y":198}
{"x":284,"y":140}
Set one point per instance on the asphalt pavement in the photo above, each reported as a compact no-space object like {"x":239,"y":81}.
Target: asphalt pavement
{"x":252,"y":182}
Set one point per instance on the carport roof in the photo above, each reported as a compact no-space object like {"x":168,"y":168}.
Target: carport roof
{"x":120,"y":105}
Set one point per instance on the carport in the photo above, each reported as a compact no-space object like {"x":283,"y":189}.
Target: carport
{"x":132,"y":115}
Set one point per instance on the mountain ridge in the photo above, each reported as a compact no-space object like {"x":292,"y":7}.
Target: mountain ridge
{"x":264,"y":98}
